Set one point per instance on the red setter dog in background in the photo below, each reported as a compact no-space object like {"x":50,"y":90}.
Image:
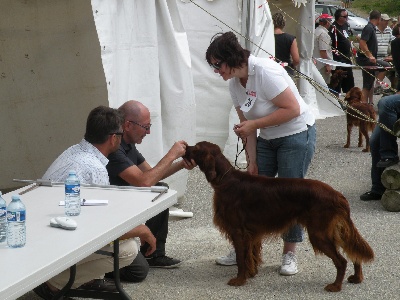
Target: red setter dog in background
{"x":249,"y":208}
{"x":355,"y":99}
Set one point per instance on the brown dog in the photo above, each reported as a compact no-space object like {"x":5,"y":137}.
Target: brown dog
{"x":355,"y":99}
{"x":336,"y":79}
{"x":249,"y":208}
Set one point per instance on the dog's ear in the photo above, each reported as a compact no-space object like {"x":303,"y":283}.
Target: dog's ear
{"x":209,"y":167}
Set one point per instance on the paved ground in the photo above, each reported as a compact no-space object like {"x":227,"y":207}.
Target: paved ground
{"x":197,"y":242}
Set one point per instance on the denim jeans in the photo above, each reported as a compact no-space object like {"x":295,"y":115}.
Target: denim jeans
{"x":287,"y":157}
{"x":383,"y":144}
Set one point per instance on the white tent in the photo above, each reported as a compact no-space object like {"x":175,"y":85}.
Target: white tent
{"x":60,"y":58}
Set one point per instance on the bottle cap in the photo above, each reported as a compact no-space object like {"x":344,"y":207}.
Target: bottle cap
{"x":15,"y":197}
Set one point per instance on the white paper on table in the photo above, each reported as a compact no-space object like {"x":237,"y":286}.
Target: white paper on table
{"x":87,"y":202}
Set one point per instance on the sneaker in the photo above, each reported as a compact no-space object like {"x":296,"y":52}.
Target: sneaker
{"x":388,"y":92}
{"x":289,"y":264}
{"x":368,"y":196}
{"x":228,"y":260}
{"x":387,"y":162}
{"x":103,"y":285}
{"x":378,"y":90}
{"x":163,"y":262}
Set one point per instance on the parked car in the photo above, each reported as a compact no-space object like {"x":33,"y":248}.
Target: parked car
{"x":356,"y":23}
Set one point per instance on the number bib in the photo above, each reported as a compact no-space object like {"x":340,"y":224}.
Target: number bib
{"x":251,"y":98}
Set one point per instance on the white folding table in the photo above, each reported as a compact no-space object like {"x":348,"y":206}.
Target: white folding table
{"x":49,"y":251}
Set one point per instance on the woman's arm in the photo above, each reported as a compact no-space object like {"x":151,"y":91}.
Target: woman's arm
{"x":251,"y":143}
{"x":294,"y":53}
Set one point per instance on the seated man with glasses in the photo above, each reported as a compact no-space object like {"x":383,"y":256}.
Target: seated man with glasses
{"x":89,"y":159}
{"x":127,"y":166}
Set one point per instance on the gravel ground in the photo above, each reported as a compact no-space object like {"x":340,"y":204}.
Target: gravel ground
{"x":197,"y":242}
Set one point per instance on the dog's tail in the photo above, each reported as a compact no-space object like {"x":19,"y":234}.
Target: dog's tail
{"x":351,"y":241}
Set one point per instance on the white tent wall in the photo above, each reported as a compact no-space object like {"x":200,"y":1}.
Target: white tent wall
{"x":51,"y":76}
{"x":146,"y":57}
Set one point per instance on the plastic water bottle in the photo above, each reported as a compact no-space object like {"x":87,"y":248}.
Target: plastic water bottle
{"x":3,"y":219}
{"x":16,"y":230}
{"x":72,"y":195}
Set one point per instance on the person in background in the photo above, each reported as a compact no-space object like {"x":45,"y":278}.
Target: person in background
{"x":285,"y":44}
{"x":323,"y":46}
{"x":393,"y":23}
{"x":395,"y":52}
{"x":384,"y":148}
{"x":89,"y":158}
{"x":339,"y":34}
{"x":384,"y":37}
{"x":367,"y":53}
{"x":127,"y":166}
{"x":266,"y":98}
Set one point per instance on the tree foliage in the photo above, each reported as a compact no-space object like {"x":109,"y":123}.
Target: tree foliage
{"x":390,"y":7}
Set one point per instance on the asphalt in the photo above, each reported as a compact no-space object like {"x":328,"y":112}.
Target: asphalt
{"x":197,"y":242}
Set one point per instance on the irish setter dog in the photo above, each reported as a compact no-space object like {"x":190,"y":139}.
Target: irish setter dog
{"x":355,"y":99}
{"x":249,"y":208}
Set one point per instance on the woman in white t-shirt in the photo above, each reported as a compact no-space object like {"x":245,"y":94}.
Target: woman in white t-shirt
{"x":266,"y":98}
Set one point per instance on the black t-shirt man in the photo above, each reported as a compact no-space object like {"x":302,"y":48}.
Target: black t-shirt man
{"x":339,"y":35}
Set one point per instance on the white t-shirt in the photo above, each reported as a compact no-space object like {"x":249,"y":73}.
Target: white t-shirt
{"x":267,"y":79}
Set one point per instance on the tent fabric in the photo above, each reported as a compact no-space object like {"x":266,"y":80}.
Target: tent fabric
{"x":146,"y":57}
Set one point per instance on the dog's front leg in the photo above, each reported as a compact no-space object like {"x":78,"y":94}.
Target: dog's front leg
{"x":241,"y":249}
{"x":349,"y":127}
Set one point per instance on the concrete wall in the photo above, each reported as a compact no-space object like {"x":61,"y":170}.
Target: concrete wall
{"x":51,"y":76}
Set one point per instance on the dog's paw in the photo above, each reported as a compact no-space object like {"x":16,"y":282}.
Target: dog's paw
{"x":333,"y":288}
{"x":354,"y":279}
{"x":237,"y":281}
{"x":365,"y":150}
{"x":346,"y":146}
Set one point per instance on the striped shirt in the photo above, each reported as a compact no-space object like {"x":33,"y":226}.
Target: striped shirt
{"x":384,"y":38}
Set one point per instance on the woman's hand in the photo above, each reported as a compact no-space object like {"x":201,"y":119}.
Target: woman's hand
{"x":252,"y":169}
{"x":245,"y":128}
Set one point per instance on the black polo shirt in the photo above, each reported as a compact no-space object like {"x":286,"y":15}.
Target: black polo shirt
{"x":126,"y":156}
{"x":369,"y":35}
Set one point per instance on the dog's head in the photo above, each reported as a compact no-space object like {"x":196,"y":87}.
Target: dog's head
{"x":337,"y":78}
{"x":355,"y":95}
{"x":204,"y":154}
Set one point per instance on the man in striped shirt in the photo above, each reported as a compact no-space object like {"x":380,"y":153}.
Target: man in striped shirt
{"x":384,"y":37}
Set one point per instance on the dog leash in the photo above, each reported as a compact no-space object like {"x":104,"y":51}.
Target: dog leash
{"x":225,"y":174}
{"x":244,"y":142}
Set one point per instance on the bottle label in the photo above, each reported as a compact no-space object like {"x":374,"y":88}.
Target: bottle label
{"x":3,"y":212}
{"x":72,"y":189}
{"x":16,"y":216}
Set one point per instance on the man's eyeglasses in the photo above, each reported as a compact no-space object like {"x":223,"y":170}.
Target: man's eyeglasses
{"x":217,"y":65}
{"x":346,"y":16}
{"x":147,"y":127}
{"x":117,"y":133}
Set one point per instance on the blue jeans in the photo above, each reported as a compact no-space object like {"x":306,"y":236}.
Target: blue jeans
{"x":383,"y":144}
{"x":287,"y":157}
